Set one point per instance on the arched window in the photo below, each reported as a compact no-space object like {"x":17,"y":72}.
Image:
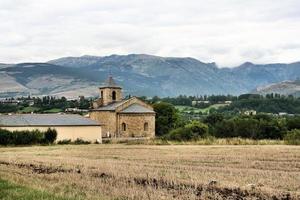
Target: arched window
{"x":146,"y":126}
{"x":124,"y":126}
{"x":114,"y":95}
{"x":102,"y":94}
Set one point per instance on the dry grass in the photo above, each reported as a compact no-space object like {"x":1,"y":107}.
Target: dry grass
{"x":118,"y":171}
{"x":201,"y":141}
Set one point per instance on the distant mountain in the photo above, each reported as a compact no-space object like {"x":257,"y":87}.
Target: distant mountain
{"x":76,"y":61}
{"x":2,"y":65}
{"x":285,"y":88}
{"x":44,"y":79}
{"x":164,"y":76}
{"x":250,"y":75}
{"x":139,"y":74}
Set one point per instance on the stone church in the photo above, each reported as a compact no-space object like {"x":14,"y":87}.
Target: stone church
{"x":122,"y":117}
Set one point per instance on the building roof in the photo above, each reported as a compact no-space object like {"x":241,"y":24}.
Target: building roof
{"x":111,"y":107}
{"x":133,"y":108}
{"x":136,"y":108}
{"x":110,"y":83}
{"x":45,"y":120}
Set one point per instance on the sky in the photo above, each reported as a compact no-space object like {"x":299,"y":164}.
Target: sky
{"x":228,"y":32}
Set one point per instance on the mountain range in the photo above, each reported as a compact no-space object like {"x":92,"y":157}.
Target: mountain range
{"x":284,"y":87}
{"x":139,"y":74}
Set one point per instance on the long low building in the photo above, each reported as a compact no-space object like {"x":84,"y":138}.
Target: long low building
{"x":67,"y":126}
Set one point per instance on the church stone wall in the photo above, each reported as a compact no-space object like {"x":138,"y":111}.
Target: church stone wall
{"x":135,"y":125}
{"x":108,"y":119}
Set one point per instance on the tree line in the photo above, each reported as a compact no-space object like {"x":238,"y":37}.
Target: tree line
{"x":270,"y":103}
{"x":27,"y":137}
{"x":170,"y":125}
{"x":45,"y":103}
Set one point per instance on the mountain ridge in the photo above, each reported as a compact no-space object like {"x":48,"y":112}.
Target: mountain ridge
{"x":284,"y":88}
{"x":142,"y":74}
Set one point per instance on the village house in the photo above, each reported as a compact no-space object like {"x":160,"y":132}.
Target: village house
{"x":68,"y":127}
{"x":120,"y":117}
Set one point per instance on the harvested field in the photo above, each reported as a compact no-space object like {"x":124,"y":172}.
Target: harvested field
{"x":122,"y":171}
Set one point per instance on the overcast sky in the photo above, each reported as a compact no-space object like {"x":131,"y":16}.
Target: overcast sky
{"x":228,"y":32}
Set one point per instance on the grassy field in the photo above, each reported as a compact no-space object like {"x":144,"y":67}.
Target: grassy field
{"x":35,"y":109}
{"x":188,"y":109}
{"x":29,"y":109}
{"x":120,"y":171}
{"x":9,"y":191}
{"x":53,"y":110}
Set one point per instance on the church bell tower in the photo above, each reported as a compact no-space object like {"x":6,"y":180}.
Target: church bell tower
{"x":110,"y":92}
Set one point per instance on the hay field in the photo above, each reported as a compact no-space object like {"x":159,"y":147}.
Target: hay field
{"x":120,"y":171}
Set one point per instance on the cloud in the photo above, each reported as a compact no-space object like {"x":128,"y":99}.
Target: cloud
{"x":228,"y":32}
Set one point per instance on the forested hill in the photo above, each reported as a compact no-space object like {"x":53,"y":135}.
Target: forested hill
{"x":139,"y":74}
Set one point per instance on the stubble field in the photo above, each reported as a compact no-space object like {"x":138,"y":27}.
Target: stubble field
{"x":119,"y":171}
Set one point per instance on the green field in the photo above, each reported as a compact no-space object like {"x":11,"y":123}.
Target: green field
{"x":54,"y":110}
{"x":11,"y":191}
{"x":190,"y":109}
{"x":29,"y":109}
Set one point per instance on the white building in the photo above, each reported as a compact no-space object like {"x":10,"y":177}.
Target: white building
{"x":67,"y":126}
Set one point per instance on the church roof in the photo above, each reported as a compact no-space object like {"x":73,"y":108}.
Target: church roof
{"x":133,"y":108}
{"x":110,"y":83}
{"x":45,"y":120}
{"x":136,"y":108}
{"x":112,"y":106}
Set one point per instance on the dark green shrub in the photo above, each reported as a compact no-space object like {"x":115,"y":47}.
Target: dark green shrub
{"x":27,"y":137}
{"x":214,"y":118}
{"x":50,"y":136}
{"x":5,"y":137}
{"x":246,"y":128}
{"x":225,"y":129}
{"x":199,"y":129}
{"x":180,"y":134}
{"x":273,"y":129}
{"x":81,"y":141}
{"x":65,"y":141}
{"x":292,"y":137}
{"x":4,"y":108}
{"x":293,"y":123}
{"x":257,"y":127}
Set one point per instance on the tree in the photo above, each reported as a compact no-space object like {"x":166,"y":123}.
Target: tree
{"x":214,"y":118}
{"x":5,"y":137}
{"x":199,"y":129}
{"x":180,"y":134}
{"x":273,"y":129}
{"x":166,"y":117}
{"x":50,"y":136}
{"x":224,"y":129}
{"x":292,"y":137}
{"x":293,"y":123}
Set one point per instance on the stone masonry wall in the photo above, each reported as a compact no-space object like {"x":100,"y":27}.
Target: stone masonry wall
{"x":108,"y":119}
{"x":135,"y":125}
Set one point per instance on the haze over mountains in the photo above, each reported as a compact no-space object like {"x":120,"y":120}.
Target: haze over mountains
{"x":140,"y":74}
